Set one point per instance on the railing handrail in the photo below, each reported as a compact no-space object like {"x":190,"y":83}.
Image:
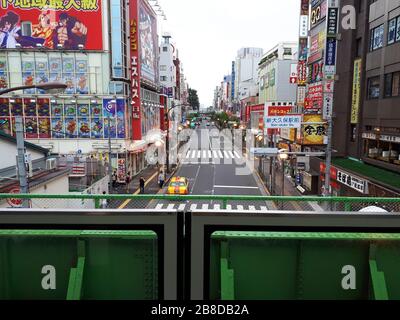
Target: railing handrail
{"x":196,"y":197}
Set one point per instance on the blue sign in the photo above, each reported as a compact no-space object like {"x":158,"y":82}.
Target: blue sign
{"x":330,"y":52}
{"x":298,"y":179}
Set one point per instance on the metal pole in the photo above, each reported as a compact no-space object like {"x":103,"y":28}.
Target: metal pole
{"x":167,"y":141}
{"x":23,"y":181}
{"x":327,"y":190}
{"x":110,"y":173}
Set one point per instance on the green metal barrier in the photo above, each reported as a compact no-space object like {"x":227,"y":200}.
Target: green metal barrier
{"x":290,"y":265}
{"x":74,"y":265}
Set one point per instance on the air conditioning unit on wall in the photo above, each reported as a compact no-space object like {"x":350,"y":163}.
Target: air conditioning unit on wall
{"x":51,"y":164}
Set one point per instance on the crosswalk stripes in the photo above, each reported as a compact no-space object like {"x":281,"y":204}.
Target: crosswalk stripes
{"x":195,"y":155}
{"x":211,"y":207}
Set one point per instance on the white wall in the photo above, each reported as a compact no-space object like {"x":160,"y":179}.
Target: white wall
{"x":58,"y":185}
{"x":9,"y":152}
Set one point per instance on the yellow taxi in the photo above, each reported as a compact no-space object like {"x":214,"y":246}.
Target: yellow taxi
{"x":178,"y":185}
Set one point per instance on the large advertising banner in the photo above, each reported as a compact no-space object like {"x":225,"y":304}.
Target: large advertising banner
{"x":68,"y":24}
{"x":148,"y":42}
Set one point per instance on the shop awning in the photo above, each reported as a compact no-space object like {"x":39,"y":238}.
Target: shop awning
{"x":382,"y":176}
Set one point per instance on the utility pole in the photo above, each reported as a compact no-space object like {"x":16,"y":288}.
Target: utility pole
{"x":23,"y":180}
{"x":167,"y":140}
{"x":110,"y":173}
{"x":332,"y":23}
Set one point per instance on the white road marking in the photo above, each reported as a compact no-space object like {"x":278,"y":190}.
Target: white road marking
{"x":199,"y":154}
{"x":236,"y":154}
{"x":228,"y":207}
{"x":204,"y":154}
{"x":193,"y":207}
{"x":253,"y":208}
{"x":209,"y":154}
{"x":170,"y":206}
{"x":215,"y":154}
{"x":240,"y":207}
{"x":193,"y":154}
{"x":231,"y":154}
{"x":264,"y":208}
{"x":236,"y":187}
{"x":159,"y":206}
{"x":220,"y":154}
{"x":188,"y":154}
{"x":205,"y":206}
{"x":226,"y":154}
{"x":217,"y":207}
{"x":181,"y":207}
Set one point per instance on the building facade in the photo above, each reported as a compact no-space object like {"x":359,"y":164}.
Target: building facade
{"x":97,"y":66}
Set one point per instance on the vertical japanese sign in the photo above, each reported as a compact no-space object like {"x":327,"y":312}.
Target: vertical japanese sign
{"x":355,"y":100}
{"x":135,"y":70}
{"x":332,"y":12}
{"x":303,"y":51}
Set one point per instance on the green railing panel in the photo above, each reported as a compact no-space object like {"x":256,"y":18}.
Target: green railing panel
{"x":75,"y":264}
{"x":36,"y":268}
{"x":299,"y":265}
{"x":387,"y":257}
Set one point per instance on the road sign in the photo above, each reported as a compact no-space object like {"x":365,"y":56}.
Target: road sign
{"x":15,"y":203}
{"x":264,"y":151}
{"x":287,"y":121}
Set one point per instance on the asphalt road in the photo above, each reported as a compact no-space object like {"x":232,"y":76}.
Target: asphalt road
{"x":213,"y":167}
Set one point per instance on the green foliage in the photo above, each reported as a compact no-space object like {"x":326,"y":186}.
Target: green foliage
{"x":194,"y":99}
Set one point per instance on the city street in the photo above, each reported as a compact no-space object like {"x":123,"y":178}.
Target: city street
{"x":212,"y":167}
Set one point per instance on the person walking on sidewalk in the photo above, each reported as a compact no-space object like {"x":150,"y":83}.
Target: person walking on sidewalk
{"x":141,"y":184}
{"x":114,"y":179}
{"x":104,"y":202}
{"x":128,"y":181}
{"x":161,"y":179}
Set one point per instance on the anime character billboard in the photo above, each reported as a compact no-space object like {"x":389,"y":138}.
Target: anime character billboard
{"x":66,"y":24}
{"x":148,"y":43}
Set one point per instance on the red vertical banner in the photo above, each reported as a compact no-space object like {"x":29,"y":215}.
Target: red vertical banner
{"x":135,"y":70}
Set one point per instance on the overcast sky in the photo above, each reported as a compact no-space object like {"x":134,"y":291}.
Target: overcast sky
{"x":208,"y":34}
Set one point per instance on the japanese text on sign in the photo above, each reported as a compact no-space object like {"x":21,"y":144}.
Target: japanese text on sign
{"x":353,"y":182}
{"x":288,"y":121}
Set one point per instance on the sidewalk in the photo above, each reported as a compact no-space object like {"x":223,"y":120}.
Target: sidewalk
{"x":150,"y":175}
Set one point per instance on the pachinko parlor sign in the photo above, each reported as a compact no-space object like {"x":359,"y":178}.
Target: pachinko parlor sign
{"x":51,"y":24}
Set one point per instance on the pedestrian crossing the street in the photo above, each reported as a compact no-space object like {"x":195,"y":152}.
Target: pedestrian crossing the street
{"x":210,"y":207}
{"x":215,"y":156}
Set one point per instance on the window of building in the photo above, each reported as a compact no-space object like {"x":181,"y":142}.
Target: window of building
{"x":398,"y":29}
{"x":376,"y":41}
{"x":392,"y":84}
{"x":392,"y":31}
{"x":374,"y":88}
{"x":163,"y":78}
{"x":163,"y":68}
{"x":165,"y":49}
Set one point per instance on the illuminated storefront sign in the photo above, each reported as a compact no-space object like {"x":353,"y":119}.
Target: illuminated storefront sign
{"x":313,"y":130}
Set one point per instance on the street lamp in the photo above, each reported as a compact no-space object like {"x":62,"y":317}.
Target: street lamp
{"x":53,"y":87}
